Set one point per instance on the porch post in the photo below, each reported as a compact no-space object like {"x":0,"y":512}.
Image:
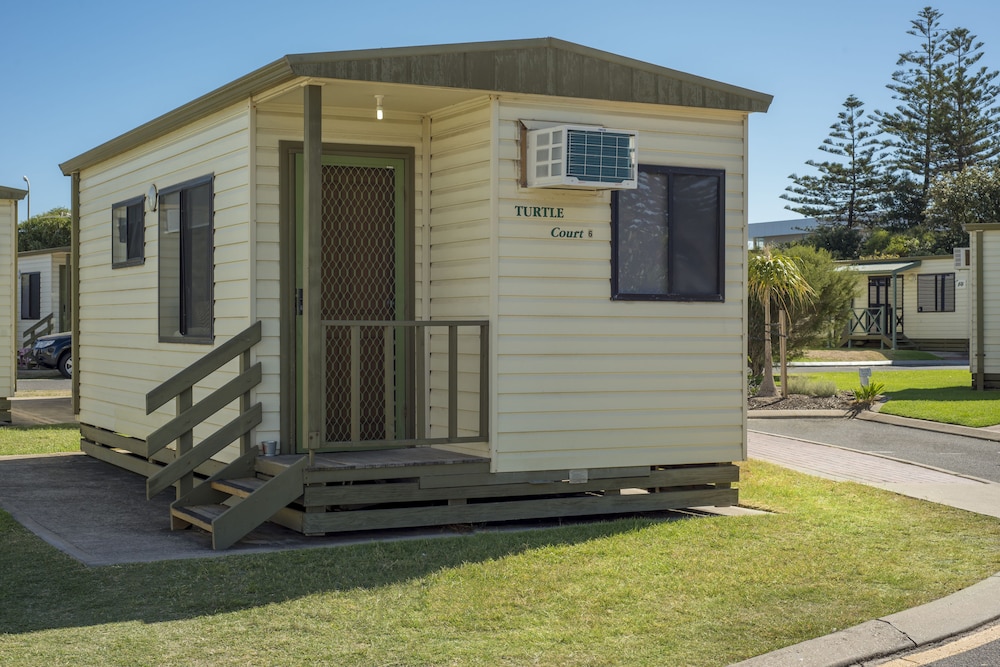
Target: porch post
{"x":895,"y":309}
{"x":312,"y":408}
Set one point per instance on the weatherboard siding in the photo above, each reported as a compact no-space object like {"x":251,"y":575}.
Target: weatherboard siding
{"x":47,"y":264}
{"x":120,"y":357}
{"x":583,"y":381}
{"x":460,"y":252}
{"x":990,"y":314}
{"x":937,"y":325}
{"x":9,"y":292}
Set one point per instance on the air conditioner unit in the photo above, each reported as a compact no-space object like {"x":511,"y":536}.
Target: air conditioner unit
{"x":579,"y":156}
{"x":963,"y":258}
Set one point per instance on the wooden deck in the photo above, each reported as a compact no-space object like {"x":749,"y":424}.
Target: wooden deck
{"x":425,"y":486}
{"x":407,"y":488}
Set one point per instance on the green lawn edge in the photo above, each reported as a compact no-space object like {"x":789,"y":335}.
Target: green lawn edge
{"x":940,"y":395}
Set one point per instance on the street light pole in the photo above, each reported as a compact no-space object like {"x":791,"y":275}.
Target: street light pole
{"x":29,"y":197}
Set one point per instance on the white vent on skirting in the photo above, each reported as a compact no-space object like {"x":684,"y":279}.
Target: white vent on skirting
{"x":577,"y":156}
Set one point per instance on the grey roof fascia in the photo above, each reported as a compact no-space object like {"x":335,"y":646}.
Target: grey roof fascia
{"x":16,"y":194}
{"x":531,"y":66}
{"x":891,"y":268}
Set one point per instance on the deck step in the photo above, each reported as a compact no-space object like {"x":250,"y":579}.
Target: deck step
{"x":199,"y":515}
{"x":241,"y":487}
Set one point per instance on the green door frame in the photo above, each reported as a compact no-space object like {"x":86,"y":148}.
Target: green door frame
{"x":402,"y":160}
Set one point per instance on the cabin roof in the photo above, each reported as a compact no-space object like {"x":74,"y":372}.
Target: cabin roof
{"x":543,"y":66}
{"x":12,"y":193}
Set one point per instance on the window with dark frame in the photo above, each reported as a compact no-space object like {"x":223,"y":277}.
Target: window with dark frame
{"x":668,"y":236}
{"x":128,"y":233}
{"x":936,"y":293}
{"x":31,"y":295}
{"x":186,"y":262}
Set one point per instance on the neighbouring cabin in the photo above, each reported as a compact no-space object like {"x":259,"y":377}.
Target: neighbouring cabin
{"x":777,"y":232}
{"x":449,"y":284}
{"x":912,"y":303}
{"x":9,"y":198}
{"x":44,"y":293}
{"x":982,"y":256}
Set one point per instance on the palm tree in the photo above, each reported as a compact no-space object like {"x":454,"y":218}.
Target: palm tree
{"x":773,"y":275}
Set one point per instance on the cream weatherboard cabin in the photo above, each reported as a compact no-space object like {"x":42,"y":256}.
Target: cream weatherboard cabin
{"x":912,"y":302}
{"x":43,"y":307}
{"x":9,"y":292}
{"x":984,"y":349}
{"x":445,"y":284}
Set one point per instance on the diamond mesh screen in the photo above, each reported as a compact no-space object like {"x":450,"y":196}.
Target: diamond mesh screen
{"x":358,"y":277}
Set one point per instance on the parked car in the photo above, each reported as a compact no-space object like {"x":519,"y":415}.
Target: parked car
{"x":54,"y":351}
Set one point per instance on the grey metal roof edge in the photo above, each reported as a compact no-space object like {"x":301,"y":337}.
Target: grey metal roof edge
{"x":982,"y":227}
{"x":12,"y":193}
{"x":884,"y":266}
{"x":44,"y":251}
{"x":415,"y":65}
{"x":891,"y":260}
{"x":256,"y":82}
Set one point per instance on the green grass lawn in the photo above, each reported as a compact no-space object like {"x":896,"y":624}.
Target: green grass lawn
{"x":865,"y":354}
{"x":938,"y":395}
{"x":632,"y":592}
{"x":23,"y":440}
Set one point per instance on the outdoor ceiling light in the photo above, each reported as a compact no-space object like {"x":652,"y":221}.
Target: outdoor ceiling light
{"x":378,"y":107}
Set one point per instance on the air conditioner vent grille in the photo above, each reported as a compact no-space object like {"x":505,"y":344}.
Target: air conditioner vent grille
{"x":581,"y":157}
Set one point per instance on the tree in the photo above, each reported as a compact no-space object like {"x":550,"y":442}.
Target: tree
{"x":967,"y":197}
{"x":816,"y":322}
{"x":913,"y":130}
{"x":774,"y":275}
{"x":51,"y":229}
{"x":839,"y":241}
{"x":845,"y":191}
{"x":969,"y":121}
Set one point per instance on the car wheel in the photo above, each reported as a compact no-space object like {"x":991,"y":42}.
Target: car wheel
{"x":65,"y":365}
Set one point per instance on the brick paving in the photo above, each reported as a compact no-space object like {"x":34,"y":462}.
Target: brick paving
{"x":841,"y":464}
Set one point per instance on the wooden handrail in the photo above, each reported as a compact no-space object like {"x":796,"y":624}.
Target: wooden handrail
{"x":32,"y":333}
{"x":204,"y":367}
{"x":180,"y":429}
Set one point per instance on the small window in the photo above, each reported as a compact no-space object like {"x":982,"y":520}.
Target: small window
{"x":128,"y":233}
{"x":668,"y":236}
{"x":31,"y":295}
{"x":936,"y":293}
{"x":186,"y":262}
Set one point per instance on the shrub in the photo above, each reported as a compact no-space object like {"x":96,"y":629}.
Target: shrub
{"x":866,"y":396}
{"x":798,"y":384}
{"x":813,"y":324}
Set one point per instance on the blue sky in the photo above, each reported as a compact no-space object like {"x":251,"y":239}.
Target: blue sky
{"x":76,"y":74}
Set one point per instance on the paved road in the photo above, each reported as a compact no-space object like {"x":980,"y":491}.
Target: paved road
{"x":967,"y":456}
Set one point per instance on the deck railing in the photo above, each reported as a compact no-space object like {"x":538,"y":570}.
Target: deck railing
{"x":392,"y":333}
{"x":42,"y":327}
{"x":189,"y":414}
{"x":875,"y":321}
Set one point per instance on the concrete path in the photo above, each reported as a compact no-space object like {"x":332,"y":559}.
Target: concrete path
{"x":908,"y":479}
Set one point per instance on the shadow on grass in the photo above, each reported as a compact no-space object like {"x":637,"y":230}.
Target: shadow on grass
{"x":944,"y":395}
{"x":43,"y":588}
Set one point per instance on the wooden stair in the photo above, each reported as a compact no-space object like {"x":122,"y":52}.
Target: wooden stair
{"x":237,"y":499}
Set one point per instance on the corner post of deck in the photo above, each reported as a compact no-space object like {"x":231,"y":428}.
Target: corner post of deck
{"x":312,"y":408}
